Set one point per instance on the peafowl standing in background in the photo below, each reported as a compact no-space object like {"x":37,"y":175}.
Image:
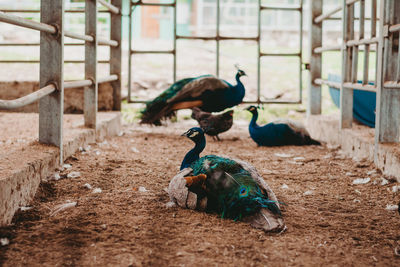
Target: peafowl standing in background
{"x":211,"y":124}
{"x":279,"y":133}
{"x":206,"y":92}
{"x":229,"y":187}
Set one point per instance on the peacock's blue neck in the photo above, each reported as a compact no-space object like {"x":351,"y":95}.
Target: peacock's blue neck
{"x":239,"y":87}
{"x":253,"y":122}
{"x":194,"y":154}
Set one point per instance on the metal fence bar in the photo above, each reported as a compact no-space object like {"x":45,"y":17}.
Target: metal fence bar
{"x":141,"y":3}
{"x":152,"y":52}
{"x":109,"y":78}
{"x":116,"y":55}
{"x":373,"y":40}
{"x":113,"y":9}
{"x":328,"y":83}
{"x":38,"y":61}
{"x":38,"y":11}
{"x":26,"y":23}
{"x":37,"y":44}
{"x":104,"y":41}
{"x":51,"y":107}
{"x":285,"y":8}
{"x":76,"y":84}
{"x":327,"y":48}
{"x":78,"y":36}
{"x":327,"y":15}
{"x":392,"y":85}
{"x":314,"y":98}
{"x":90,"y":92}
{"x":394,"y":28}
{"x":130,"y":51}
{"x":218,"y":19}
{"x":350,"y":2}
{"x":28,"y":99}
{"x":359,"y":86}
{"x":259,"y":53}
{"x":387,"y":127}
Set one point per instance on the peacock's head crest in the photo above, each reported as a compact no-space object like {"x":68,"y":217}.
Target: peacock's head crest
{"x":194,"y":134}
{"x":240,"y":72}
{"x":252,"y":109}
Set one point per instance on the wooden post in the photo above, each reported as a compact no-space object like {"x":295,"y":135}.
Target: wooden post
{"x":346,"y":94}
{"x":90,"y":92}
{"x":314,"y":98}
{"x":51,"y":107}
{"x":116,"y":54}
{"x":387,"y":126}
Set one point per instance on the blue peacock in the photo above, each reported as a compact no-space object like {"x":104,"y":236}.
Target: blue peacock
{"x":228,"y":185}
{"x":206,"y":92}
{"x":279,"y":133}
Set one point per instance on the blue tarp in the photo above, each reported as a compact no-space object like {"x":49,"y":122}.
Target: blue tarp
{"x":364,"y":103}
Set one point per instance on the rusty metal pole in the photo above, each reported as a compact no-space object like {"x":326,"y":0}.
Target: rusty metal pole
{"x":51,"y":107}
{"x":116,"y":53}
{"x":346,"y":94}
{"x":314,"y":98}
{"x":387,"y":128}
{"x":90,"y":92}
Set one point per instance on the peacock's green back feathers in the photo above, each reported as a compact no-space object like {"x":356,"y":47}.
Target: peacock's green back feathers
{"x":230,"y":189}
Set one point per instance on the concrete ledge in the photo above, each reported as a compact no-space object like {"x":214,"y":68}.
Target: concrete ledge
{"x":23,"y":165}
{"x":357,"y":142}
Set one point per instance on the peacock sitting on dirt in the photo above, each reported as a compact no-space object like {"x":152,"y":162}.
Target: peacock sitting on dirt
{"x":213,"y":124}
{"x":206,"y":92}
{"x":279,"y":133}
{"x":230,"y":187}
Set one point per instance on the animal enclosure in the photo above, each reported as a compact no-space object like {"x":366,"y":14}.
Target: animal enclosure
{"x":51,"y":93}
{"x":385,"y":81}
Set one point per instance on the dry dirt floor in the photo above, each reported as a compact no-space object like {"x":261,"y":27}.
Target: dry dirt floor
{"x":330,"y":221}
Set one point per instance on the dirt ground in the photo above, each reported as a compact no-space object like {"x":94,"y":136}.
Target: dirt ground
{"x":330,"y":221}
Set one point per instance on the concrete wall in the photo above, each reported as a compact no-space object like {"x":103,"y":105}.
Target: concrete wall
{"x":73,"y":98}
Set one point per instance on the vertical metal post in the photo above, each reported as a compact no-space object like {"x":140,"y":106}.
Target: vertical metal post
{"x":217,"y":40}
{"x":51,"y":107}
{"x":175,"y":6}
{"x":366,"y":47}
{"x":116,"y":54}
{"x":346,"y":94}
{"x":387,"y":128}
{"x":301,"y":52}
{"x":373,"y":32}
{"x":314,"y":98}
{"x":259,"y":53}
{"x":90,"y":92}
{"x":130,"y":52}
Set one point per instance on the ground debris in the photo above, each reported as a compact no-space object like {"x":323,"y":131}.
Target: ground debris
{"x":62,"y":207}
{"x":283,"y":155}
{"x":97,"y":190}
{"x":4,"y":241}
{"x":392,"y":207}
{"x":87,"y":186}
{"x":74,"y":174}
{"x":361,"y":180}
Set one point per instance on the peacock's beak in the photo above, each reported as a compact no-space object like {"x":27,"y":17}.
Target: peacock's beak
{"x":185,"y":134}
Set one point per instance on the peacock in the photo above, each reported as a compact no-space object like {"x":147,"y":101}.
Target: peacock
{"x":206,"y":92}
{"x":279,"y":133}
{"x":229,"y":187}
{"x":213,"y":125}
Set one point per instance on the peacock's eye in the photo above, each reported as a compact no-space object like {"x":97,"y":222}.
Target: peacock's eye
{"x":243,"y":191}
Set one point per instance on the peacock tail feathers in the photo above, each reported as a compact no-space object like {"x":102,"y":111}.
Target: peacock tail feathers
{"x":154,"y":107}
{"x":231,"y":190}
